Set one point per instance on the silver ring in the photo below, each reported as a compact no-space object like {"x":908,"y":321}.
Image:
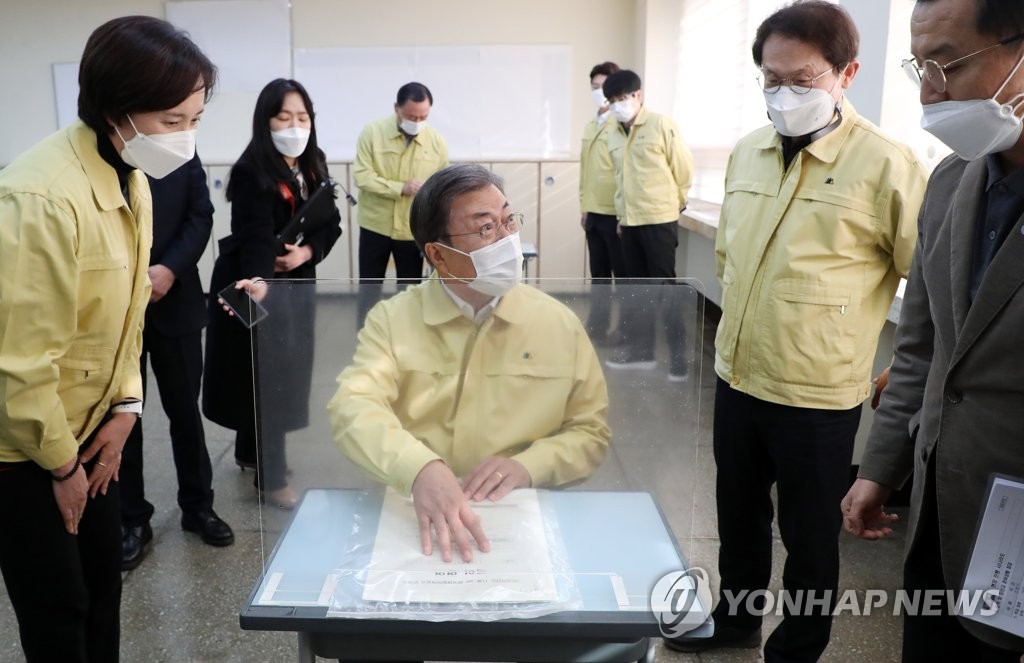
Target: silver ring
{"x":500,"y":475}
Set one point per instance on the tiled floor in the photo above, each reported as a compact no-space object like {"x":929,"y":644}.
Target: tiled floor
{"x":182,"y":603}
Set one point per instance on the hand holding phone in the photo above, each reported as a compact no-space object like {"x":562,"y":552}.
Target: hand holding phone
{"x":241,"y":305}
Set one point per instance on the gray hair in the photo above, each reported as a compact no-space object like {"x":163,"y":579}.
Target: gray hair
{"x":432,"y":206}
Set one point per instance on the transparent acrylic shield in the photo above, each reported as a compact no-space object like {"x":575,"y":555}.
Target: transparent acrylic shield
{"x":596,"y":388}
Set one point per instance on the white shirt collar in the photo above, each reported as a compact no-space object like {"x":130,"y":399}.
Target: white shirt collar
{"x":467,"y":309}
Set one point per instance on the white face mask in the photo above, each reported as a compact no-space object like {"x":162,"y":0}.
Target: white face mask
{"x":412,"y":128}
{"x":800,"y":114}
{"x":290,"y":142}
{"x":626,"y":109}
{"x":976,"y":127}
{"x":598,"y":97}
{"x":499,"y":266}
{"x":158,"y":155}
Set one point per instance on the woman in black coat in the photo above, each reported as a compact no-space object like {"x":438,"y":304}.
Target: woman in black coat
{"x":278,"y":170}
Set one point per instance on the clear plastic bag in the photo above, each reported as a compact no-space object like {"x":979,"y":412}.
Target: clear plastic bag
{"x":526,"y":574}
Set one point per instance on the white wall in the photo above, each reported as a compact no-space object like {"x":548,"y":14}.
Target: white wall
{"x":34,"y":35}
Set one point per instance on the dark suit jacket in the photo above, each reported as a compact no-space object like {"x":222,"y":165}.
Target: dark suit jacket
{"x":182,"y":223}
{"x":956,"y":378}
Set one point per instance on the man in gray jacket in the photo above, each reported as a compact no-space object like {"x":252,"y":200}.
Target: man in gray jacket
{"x":953,"y":412}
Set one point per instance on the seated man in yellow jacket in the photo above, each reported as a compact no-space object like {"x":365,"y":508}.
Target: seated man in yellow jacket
{"x":468,"y":386}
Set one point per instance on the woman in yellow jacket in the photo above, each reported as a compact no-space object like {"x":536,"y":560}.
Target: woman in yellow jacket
{"x":74,"y":253}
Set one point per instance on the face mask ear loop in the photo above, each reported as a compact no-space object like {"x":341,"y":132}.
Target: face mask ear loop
{"x":1010,"y":77}
{"x":450,"y":275}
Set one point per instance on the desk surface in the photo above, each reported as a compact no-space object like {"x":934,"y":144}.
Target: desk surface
{"x":617,"y":543}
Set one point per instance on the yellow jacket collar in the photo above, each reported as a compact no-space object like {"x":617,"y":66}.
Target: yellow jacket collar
{"x":102,"y":176}
{"x":438,"y":307}
{"x":826,"y":148}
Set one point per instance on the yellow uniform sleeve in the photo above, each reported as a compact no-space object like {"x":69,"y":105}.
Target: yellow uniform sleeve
{"x":368,"y":179}
{"x":680,"y":161}
{"x":900,"y":208}
{"x":38,"y":316}
{"x":364,"y":424}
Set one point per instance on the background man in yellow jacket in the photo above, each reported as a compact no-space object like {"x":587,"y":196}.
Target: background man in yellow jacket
{"x":597,"y":206}
{"x":394,"y":156}
{"x":653,"y":170}
{"x":817,"y":227}
{"x":470,"y":376}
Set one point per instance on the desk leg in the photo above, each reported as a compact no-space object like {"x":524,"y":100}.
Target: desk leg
{"x":305,"y":649}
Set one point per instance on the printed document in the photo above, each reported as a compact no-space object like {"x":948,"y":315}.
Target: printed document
{"x":518,"y":568}
{"x":997,"y":562}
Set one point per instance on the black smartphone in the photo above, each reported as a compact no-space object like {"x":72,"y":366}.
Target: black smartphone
{"x":247,"y":310}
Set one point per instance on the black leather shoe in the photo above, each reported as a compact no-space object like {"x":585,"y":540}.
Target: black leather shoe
{"x":134,"y":541}
{"x":209,"y":526}
{"x":725,"y":636}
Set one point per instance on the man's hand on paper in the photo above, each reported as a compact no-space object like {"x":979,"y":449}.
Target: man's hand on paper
{"x":863,"y":511}
{"x":439,"y":501}
{"x":494,"y":478}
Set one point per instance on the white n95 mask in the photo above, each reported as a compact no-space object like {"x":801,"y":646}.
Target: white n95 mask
{"x":799,"y":114}
{"x":290,"y":142}
{"x":158,"y":155}
{"x":625,"y":110}
{"x":499,"y":266}
{"x":973,"y":128}
{"x":598,"y":97}
{"x":412,"y":128}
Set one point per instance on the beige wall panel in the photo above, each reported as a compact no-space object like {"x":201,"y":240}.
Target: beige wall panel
{"x":562,"y":243}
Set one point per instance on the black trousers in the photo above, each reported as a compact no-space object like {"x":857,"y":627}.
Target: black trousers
{"x":65,"y":589}
{"x":270,"y":456}
{"x":649,"y":252}
{"x":806,"y":453}
{"x":178,"y":368}
{"x":374,"y":251}
{"x":606,"y":261}
{"x":938,"y":637}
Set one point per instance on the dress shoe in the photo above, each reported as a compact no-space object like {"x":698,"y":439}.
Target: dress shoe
{"x":133,"y":545}
{"x":725,"y":636}
{"x":283,"y":498}
{"x":209,"y":526}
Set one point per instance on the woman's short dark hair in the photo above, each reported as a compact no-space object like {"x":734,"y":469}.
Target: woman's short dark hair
{"x":603,"y":69}
{"x":620,"y":83}
{"x":432,"y":206}
{"x":821,"y":24}
{"x":261,"y":155}
{"x":138,"y":64}
{"x":416,"y":92}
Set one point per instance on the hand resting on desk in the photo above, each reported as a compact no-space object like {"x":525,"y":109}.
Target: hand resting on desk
{"x":440,"y":502}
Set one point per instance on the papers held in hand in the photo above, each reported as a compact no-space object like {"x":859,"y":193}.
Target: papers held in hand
{"x":314,"y":214}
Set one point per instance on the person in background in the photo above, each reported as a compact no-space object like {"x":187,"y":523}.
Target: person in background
{"x":529,"y":406}
{"x":953,"y":410}
{"x":276,"y":173}
{"x":173,"y":342}
{"x":597,"y":205}
{"x":653,"y":172}
{"x":394,"y":156}
{"x":817,"y":227}
{"x":74,"y":253}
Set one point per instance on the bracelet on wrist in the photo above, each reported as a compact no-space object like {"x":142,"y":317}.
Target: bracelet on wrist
{"x":78,"y":464}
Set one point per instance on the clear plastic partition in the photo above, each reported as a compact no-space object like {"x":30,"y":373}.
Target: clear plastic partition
{"x":572,"y":409}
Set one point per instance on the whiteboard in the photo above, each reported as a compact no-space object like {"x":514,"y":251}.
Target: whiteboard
{"x":65,"y":89}
{"x":250,"y":43}
{"x":490,"y":102}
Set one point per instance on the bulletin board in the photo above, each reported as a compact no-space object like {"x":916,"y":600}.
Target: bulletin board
{"x":490,"y":102}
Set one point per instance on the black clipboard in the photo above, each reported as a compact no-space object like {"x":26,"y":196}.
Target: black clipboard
{"x":316,"y":212}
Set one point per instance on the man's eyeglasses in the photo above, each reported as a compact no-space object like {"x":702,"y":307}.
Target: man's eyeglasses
{"x":936,"y":73}
{"x":489,"y":231}
{"x":799,"y":84}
